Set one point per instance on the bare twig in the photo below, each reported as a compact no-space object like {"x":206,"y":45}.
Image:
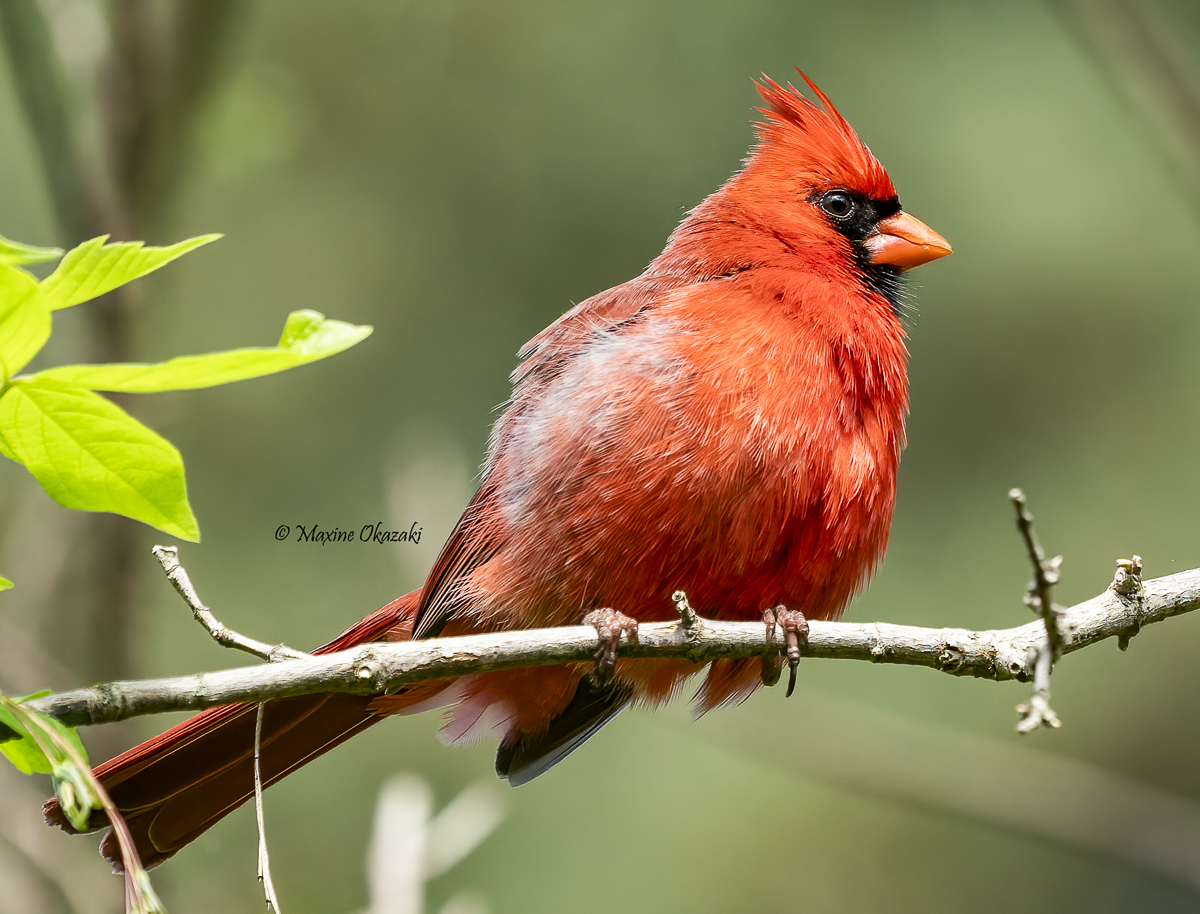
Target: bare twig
{"x":168,"y":557}
{"x":1037,"y":711}
{"x":371,"y":668}
{"x":264,"y":855}
{"x":1046,"y":573}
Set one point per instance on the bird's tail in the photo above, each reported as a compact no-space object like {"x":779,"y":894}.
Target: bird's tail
{"x":175,"y":786}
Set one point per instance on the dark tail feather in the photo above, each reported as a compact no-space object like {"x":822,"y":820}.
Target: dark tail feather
{"x":169,"y":805}
{"x":594,"y":705}
{"x":173,"y":787}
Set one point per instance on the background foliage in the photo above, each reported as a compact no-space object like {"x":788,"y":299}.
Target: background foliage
{"x":456,"y":173}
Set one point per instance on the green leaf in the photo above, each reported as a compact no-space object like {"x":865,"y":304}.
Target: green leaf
{"x":74,"y":783}
{"x":16,"y":742}
{"x":15,"y":252}
{"x":94,"y":268}
{"x":19,"y":746}
{"x":91,"y":455}
{"x":50,"y":753}
{"x":311,"y":334}
{"x":70,"y":734}
{"x":76,"y":794}
{"x":5,"y":583}
{"x":307,"y":337}
{"x":24,"y":320}
{"x":145,"y":900}
{"x":25,"y":755}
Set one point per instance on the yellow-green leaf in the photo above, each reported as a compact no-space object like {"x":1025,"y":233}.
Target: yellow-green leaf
{"x":91,"y":455}
{"x":94,"y":268}
{"x":307,"y":336}
{"x":15,"y":252}
{"x":24,"y":320}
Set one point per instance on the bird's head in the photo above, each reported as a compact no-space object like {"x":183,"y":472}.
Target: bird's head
{"x":811,"y":185}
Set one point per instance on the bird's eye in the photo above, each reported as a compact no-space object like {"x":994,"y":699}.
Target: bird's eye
{"x":837,"y":204}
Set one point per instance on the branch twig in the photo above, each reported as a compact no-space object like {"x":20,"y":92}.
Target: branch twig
{"x":372,"y":668}
{"x":168,"y":557}
{"x":264,"y":855}
{"x":1046,"y":572}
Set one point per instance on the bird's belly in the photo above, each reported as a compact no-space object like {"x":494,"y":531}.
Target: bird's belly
{"x":736,"y":526}
{"x":757,"y":478}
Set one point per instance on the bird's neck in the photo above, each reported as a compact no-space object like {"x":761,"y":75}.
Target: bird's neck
{"x":721,"y":241}
{"x":720,"y":238}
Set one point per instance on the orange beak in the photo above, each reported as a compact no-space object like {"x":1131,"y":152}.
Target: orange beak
{"x":905,"y":242}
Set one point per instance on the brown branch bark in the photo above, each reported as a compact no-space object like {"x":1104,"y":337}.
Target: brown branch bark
{"x":998,"y":654}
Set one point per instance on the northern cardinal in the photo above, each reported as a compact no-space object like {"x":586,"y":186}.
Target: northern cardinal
{"x":728,"y":424}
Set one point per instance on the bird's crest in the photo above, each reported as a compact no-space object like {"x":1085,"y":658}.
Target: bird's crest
{"x":820,"y":138}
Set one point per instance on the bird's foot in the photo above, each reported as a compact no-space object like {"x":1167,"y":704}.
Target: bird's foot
{"x":772,"y":662}
{"x":795,"y":636}
{"x":610,"y":625}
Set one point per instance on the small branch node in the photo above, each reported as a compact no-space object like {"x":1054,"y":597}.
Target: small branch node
{"x":879,"y":646}
{"x":1128,"y":584}
{"x":950,"y":658}
{"x":688,"y":618}
{"x":1128,"y":580}
{"x":1037,"y":711}
{"x":370,"y":670}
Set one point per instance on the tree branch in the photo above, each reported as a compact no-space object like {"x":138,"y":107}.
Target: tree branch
{"x":999,"y":654}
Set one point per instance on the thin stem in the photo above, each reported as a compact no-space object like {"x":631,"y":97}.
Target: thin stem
{"x":264,"y":855}
{"x":168,"y":557}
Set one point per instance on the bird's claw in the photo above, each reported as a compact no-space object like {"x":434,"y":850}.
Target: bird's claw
{"x":771,"y":663}
{"x":610,"y":625}
{"x":795,"y":636}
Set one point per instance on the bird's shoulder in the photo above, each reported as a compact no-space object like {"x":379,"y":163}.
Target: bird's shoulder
{"x":620,"y":306}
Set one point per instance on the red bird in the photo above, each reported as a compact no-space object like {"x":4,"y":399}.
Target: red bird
{"x":728,"y":424}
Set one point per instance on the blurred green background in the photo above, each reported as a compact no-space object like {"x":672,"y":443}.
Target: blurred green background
{"x":457,"y":173}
